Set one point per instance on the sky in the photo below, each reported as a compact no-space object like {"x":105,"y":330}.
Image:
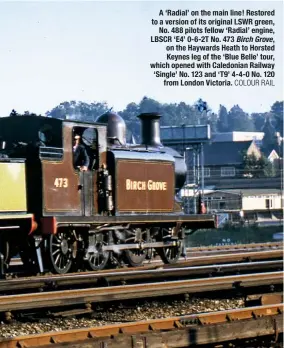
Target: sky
{"x":56,"y":51}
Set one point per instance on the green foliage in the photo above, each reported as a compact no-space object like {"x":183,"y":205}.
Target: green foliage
{"x":223,"y":121}
{"x":258,"y":120}
{"x":173,"y":114}
{"x":257,"y":167}
{"x":232,"y":235}
{"x":26,"y":113}
{"x":129,"y":114}
{"x":14,"y":113}
{"x":150,"y":105}
{"x":239,"y":120}
{"x":277,"y":114}
{"x":223,"y":116}
{"x":251,"y":165}
{"x":80,"y":111}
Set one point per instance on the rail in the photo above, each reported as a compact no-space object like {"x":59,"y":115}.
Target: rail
{"x":238,"y":246}
{"x":185,"y":331}
{"x":210,"y":250}
{"x":131,"y":275}
{"x":145,"y":290}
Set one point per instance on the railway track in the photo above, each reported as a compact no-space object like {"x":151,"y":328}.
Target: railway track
{"x":142,"y":282}
{"x":225,"y":249}
{"x":79,"y":301}
{"x":200,"y":260}
{"x":231,"y":247}
{"x":234,"y":257}
{"x":185,"y":331}
{"x":211,"y":250}
{"x":66,"y":298}
{"x":210,"y":265}
{"x":111,"y":277}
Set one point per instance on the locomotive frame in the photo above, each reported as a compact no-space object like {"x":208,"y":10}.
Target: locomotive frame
{"x":119,"y":210}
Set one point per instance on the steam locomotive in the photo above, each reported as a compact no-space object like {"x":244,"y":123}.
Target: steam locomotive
{"x":123,"y":207}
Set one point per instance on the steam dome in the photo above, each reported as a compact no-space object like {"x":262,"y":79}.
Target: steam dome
{"x":116,"y":128}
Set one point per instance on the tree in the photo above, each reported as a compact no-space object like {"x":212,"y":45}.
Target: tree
{"x":27,"y":113}
{"x":80,"y":111}
{"x":172,"y":114}
{"x":213,"y":121}
{"x":149,"y":105}
{"x":269,"y":141}
{"x":277,"y":115}
{"x":179,"y":114}
{"x":268,"y":167}
{"x":257,"y":167}
{"x":129,"y":114}
{"x":223,"y":121}
{"x":239,"y":120}
{"x":258,"y":120}
{"x":14,"y":113}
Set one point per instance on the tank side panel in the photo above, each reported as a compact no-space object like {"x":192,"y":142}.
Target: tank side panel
{"x":12,"y":187}
{"x":144,"y":186}
{"x":60,"y":188}
{"x":61,"y":182}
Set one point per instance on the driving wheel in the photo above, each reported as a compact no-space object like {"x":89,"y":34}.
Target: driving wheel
{"x":97,"y":258}
{"x":170,"y":254}
{"x":136,"y":257}
{"x":61,"y":251}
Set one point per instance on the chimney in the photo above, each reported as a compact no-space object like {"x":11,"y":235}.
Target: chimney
{"x":150,"y":129}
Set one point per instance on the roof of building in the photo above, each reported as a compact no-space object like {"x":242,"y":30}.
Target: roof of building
{"x":260,"y":192}
{"x":232,"y":192}
{"x":223,"y":183}
{"x":248,"y":192}
{"x":270,"y":153}
{"x":237,"y":136}
{"x":222,"y":153}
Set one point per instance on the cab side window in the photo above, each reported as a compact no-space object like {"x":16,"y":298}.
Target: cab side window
{"x":49,"y":143}
{"x":45,"y":136}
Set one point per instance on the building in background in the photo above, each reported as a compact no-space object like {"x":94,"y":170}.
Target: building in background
{"x":229,"y":186}
{"x":239,"y":136}
{"x":252,"y":206}
{"x":223,"y":153}
{"x":226,"y":159}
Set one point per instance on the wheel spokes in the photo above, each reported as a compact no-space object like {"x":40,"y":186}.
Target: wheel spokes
{"x":99,"y":259}
{"x":60,"y":251}
{"x":168,"y":254}
{"x":136,"y":257}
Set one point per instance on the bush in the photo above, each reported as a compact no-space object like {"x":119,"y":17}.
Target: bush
{"x":232,"y":235}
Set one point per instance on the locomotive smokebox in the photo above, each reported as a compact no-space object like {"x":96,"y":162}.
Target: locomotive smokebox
{"x":150,"y":129}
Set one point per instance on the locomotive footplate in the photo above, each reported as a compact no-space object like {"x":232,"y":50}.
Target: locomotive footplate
{"x":187,"y":221}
